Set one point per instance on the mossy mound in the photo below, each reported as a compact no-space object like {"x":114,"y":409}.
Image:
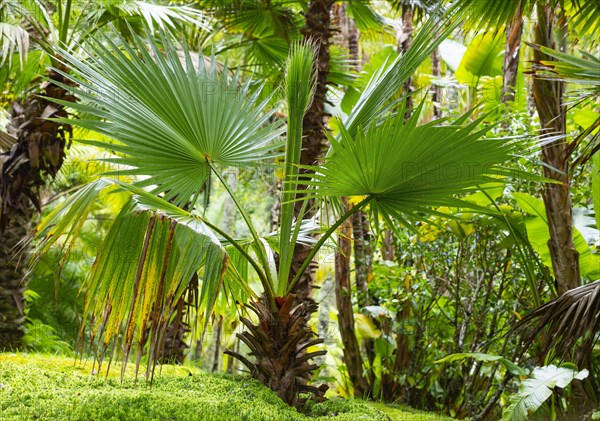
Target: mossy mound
{"x":44,"y":387}
{"x":51,"y":388}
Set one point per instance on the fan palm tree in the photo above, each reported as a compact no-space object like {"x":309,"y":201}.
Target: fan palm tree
{"x":182,"y":122}
{"x":34,"y":148}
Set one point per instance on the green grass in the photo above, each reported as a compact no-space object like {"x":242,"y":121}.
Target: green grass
{"x":42,"y":387}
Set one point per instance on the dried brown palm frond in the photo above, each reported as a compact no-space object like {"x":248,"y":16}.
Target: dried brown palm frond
{"x":571,"y":323}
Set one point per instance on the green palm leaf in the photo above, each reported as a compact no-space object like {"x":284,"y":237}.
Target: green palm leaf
{"x":408,"y":169}
{"x":171,"y":119}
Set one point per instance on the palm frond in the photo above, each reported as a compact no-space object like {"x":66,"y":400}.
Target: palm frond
{"x":388,"y":80}
{"x":570,"y":323}
{"x":300,"y":86}
{"x":6,"y":141}
{"x":166,"y":17}
{"x":408,"y":169}
{"x":162,"y":113}
{"x":143,"y":267}
{"x":13,"y":39}
{"x":583,"y":71}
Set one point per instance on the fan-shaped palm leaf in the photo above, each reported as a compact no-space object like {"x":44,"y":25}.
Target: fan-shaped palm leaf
{"x":171,"y":120}
{"x":405,"y":169}
{"x":143,"y":266}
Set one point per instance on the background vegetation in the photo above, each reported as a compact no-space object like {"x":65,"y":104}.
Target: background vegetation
{"x":238,"y":121}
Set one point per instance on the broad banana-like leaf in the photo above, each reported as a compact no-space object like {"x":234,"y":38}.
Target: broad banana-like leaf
{"x":538,"y":233}
{"x":484,"y":57}
{"x":534,"y":391}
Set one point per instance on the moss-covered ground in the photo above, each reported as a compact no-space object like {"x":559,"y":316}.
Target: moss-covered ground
{"x":42,"y":387}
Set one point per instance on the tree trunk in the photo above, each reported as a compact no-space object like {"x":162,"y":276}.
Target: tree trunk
{"x":343,"y":295}
{"x":363,"y":256}
{"x":349,"y":34}
{"x":436,"y":90}
{"x":13,"y":281}
{"x":317,"y":29}
{"x":514,"y":33}
{"x":405,"y":39}
{"x":548,"y":95}
{"x":217,"y":353}
{"x":280,"y":343}
{"x":37,"y":155}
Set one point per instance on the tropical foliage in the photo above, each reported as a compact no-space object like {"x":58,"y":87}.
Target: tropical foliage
{"x":396,"y":201}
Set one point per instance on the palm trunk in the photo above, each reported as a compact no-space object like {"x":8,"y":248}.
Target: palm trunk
{"x":317,"y":29}
{"x":548,"y":96}
{"x":514,"y":33}
{"x":39,"y":152}
{"x":13,"y":283}
{"x":280,"y":343}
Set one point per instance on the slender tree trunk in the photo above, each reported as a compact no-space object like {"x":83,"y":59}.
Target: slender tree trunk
{"x":514,"y":33}
{"x":343,"y":294}
{"x":436,"y":90}
{"x":349,"y":34}
{"x":363,"y":257}
{"x":217,"y":354}
{"x":405,"y":40}
{"x":548,"y":95}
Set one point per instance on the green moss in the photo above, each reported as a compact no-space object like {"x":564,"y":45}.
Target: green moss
{"x":401,"y":413}
{"x":43,"y":387}
{"x":50,"y":388}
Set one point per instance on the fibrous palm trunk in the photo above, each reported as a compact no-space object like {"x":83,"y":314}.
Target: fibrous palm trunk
{"x":35,"y":157}
{"x":13,"y":280}
{"x":548,"y":96}
{"x":318,"y":30}
{"x":279,"y":343}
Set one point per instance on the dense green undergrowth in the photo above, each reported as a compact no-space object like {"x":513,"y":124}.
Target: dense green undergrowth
{"x":42,"y":387}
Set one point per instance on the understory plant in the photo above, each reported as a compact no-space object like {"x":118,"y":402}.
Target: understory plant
{"x":176,"y":121}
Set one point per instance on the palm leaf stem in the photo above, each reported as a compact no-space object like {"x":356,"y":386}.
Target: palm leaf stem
{"x":324,"y":238}
{"x":266,"y":278}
